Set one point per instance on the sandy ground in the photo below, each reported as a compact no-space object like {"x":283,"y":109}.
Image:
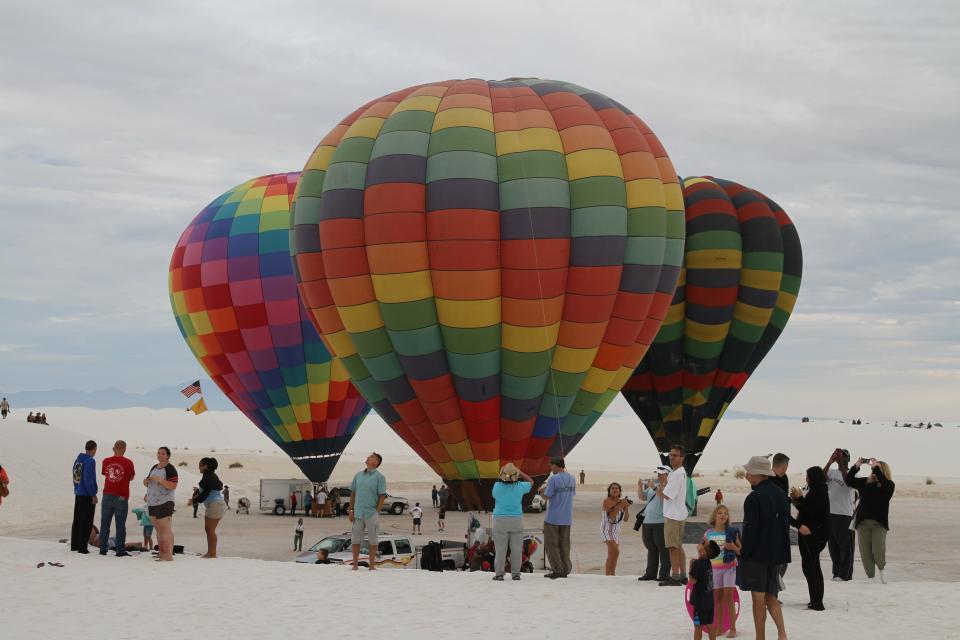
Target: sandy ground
{"x":240,"y":598}
{"x":918,"y":512}
{"x":920,"y":545}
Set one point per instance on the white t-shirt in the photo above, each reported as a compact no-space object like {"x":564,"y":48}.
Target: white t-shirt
{"x":321,"y":498}
{"x":416,"y":512}
{"x":675,"y":506}
{"x":841,"y":496}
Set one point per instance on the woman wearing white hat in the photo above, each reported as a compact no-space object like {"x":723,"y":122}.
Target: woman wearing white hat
{"x":508,"y":494}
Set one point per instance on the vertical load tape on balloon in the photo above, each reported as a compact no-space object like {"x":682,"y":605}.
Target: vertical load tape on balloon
{"x":742,"y":269}
{"x":491,"y":260}
{"x":236,"y":304}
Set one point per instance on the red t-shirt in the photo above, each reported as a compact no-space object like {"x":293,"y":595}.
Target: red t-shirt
{"x":118,"y":472}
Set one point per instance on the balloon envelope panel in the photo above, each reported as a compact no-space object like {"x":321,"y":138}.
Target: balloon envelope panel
{"x":490,"y":260}
{"x":236,"y":303}
{"x":741,"y":276}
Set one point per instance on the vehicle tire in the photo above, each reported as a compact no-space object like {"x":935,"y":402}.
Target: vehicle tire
{"x":279,"y":510}
{"x":397,"y":509}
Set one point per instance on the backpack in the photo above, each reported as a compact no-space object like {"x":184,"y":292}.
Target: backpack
{"x":431,"y":558}
{"x":691,"y":496}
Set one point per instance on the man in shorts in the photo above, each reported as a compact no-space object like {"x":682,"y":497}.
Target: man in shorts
{"x":367,"y":493}
{"x":765,"y":544}
{"x":674,"y":497}
{"x":417,"y":514}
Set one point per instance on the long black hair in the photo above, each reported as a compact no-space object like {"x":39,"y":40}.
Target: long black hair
{"x":816,"y":477}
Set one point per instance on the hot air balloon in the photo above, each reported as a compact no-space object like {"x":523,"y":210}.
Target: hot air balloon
{"x":490,"y":260}
{"x":236,"y":302}
{"x":741,"y":277}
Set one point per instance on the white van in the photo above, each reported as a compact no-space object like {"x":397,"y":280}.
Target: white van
{"x":275,"y":494}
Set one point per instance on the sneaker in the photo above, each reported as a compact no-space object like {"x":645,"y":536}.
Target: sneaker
{"x":643,"y":578}
{"x":815,"y":607}
{"x":516,"y":576}
{"x":883,"y":576}
{"x":83,"y":551}
{"x":552,"y":575}
{"x":670,"y":582}
{"x":122,"y":554}
{"x":103,"y":552}
{"x":498,"y":578}
{"x":837,"y":579}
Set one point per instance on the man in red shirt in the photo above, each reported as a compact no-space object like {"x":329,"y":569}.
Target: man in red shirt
{"x":118,"y":472}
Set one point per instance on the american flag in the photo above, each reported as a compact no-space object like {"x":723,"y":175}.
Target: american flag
{"x":191,"y":389}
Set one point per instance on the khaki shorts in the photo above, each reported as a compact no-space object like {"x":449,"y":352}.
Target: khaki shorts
{"x":370,"y":523}
{"x":214,"y":510}
{"x":673,"y":533}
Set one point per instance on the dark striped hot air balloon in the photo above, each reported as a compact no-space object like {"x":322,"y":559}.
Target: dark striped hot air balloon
{"x":236,"y":303}
{"x":741,"y":276}
{"x":490,"y":260}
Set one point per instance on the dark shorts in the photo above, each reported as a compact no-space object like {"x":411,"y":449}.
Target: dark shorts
{"x":759,"y":577}
{"x":416,"y":522}
{"x":160,"y":511}
{"x":702,"y":616}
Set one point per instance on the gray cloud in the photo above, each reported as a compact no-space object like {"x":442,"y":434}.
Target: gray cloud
{"x":119,"y":122}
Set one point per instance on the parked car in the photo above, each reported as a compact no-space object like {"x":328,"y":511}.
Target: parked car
{"x":393,"y":551}
{"x":333,"y":544}
{"x":393,"y":504}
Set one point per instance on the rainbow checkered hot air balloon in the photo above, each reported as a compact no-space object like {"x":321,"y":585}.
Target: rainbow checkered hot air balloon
{"x":236,"y":302}
{"x":490,"y":260}
{"x":742,"y":269}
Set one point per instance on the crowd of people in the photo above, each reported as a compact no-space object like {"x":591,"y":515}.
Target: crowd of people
{"x":835,"y":507}
{"x":37,"y":418}
{"x":156,"y":515}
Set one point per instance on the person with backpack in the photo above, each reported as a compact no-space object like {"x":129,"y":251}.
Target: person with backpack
{"x":675,"y":513}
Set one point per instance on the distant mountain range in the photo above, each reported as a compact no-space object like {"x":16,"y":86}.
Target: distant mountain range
{"x":159,"y":398}
{"x":171,"y":398}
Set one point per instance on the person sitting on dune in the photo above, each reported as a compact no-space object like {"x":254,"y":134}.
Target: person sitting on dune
{"x":30,"y":417}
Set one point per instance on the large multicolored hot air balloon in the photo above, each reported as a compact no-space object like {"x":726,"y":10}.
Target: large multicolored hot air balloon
{"x":742,"y":268}
{"x":490,"y":260}
{"x":236,"y":303}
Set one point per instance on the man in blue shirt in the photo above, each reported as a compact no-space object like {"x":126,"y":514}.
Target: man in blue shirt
{"x":367,"y":493}
{"x":559,"y":492}
{"x":84,"y":498}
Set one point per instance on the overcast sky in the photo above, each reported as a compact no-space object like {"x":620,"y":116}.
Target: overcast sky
{"x":119,"y":123}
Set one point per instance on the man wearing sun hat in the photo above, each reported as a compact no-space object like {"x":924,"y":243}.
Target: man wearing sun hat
{"x":765,"y":543}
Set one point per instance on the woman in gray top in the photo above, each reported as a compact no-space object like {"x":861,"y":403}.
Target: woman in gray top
{"x":161,"y":484}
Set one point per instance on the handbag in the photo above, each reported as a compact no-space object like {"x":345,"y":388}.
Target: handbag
{"x":638,"y":521}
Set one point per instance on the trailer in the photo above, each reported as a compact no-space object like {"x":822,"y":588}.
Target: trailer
{"x":275,"y":494}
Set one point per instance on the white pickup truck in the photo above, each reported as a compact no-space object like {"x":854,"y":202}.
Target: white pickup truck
{"x":392,"y":551}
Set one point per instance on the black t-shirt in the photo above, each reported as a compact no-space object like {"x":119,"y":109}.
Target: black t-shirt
{"x":701,"y":596}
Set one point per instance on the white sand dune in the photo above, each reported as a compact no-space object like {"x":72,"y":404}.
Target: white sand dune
{"x":238,"y":598}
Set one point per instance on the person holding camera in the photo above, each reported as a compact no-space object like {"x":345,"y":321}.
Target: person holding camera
{"x":872,"y":516}
{"x":658,"y":556}
{"x":616,"y":509}
{"x":813,"y":525}
{"x":842,"y":496}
